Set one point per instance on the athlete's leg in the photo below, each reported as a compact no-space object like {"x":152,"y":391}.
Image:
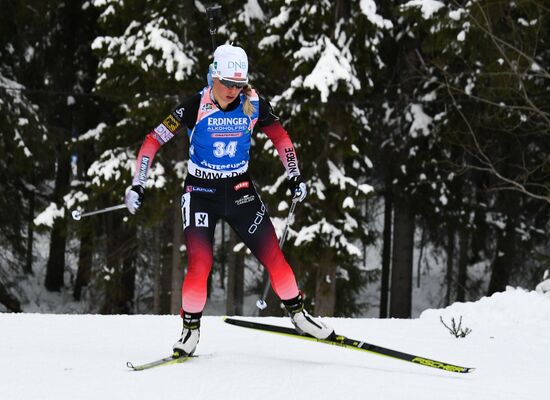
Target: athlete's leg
{"x":199,"y":223}
{"x":249,"y":218}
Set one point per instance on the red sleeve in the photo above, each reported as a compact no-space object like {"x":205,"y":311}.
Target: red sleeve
{"x":145,"y":157}
{"x":279,"y":136}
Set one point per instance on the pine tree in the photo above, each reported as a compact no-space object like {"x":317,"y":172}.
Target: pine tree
{"x":484,"y":59}
{"x":313,"y":55}
{"x":23,"y":144}
{"x":151,"y":57}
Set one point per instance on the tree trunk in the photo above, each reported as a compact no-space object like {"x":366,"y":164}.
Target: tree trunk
{"x":450,"y":261}
{"x":325,"y":285}
{"x":235,"y":278}
{"x":30,"y":233}
{"x":223,"y":254}
{"x":121,"y":255}
{"x":157,"y":286}
{"x":402,"y":262}
{"x":481,"y":233}
{"x":128,"y":273}
{"x":64,"y":76}
{"x":508,"y":202}
{"x":167,"y":245}
{"x":505,"y":256}
{"x":386,"y":250}
{"x":85,"y":260}
{"x":463,"y":243}
{"x":8,"y":300}
{"x":177,"y":272}
{"x":55,"y":267}
{"x":420,"y":255}
{"x":342,"y":10}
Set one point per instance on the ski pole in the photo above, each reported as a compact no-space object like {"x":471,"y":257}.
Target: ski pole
{"x":261,"y":303}
{"x":213,"y":11}
{"x":78,"y":214}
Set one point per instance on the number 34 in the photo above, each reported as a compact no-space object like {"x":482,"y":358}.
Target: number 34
{"x":222,"y":149}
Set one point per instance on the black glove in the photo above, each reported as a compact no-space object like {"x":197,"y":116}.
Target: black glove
{"x":134,"y":198}
{"x":297,"y":188}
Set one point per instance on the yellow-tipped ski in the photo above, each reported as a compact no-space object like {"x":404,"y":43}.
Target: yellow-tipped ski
{"x":175,"y":358}
{"x":343,"y":341}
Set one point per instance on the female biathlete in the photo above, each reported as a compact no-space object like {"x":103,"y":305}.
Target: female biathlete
{"x":220,"y":120}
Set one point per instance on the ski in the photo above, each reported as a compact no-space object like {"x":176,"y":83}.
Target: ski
{"x":343,"y":341}
{"x":175,"y":358}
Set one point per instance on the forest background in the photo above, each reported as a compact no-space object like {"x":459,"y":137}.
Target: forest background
{"x":422,"y":129}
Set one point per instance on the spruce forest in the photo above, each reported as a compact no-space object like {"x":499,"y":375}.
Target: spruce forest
{"x":422,"y":129}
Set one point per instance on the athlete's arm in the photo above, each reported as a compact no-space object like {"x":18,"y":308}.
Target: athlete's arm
{"x":270,"y":125}
{"x":183,"y":115}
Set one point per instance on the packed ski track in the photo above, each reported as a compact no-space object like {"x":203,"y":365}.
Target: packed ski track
{"x":46,"y":356}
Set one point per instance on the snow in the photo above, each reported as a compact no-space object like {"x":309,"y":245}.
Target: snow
{"x":142,"y":41}
{"x":280,"y":19}
{"x":544,"y":287}
{"x":332,"y":66}
{"x":268,"y":41}
{"x":21,"y":143}
{"x":94,"y":133}
{"x":83,"y":357}
{"x":368,"y":7}
{"x":535,"y":67}
{"x":331,"y":233}
{"x":48,"y":216}
{"x":348,"y":203}
{"x":427,"y":7}
{"x":420,"y":121}
{"x":74,"y":198}
{"x":338,"y":178}
{"x":109,"y":166}
{"x":251,"y":10}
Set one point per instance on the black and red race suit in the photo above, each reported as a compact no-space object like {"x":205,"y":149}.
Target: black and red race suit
{"x":218,"y":186}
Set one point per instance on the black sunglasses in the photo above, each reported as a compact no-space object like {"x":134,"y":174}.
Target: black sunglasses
{"x":232,"y":84}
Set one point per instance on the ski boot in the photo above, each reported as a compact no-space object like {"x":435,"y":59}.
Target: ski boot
{"x":305,"y":323}
{"x":190,"y":334}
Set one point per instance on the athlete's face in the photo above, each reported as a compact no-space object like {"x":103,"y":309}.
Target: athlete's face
{"x":226,"y":91}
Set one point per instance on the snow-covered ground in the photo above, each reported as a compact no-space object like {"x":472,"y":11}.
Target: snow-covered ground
{"x":59,"y":357}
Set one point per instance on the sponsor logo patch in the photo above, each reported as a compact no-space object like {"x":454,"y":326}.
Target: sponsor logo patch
{"x":236,"y":65}
{"x":226,"y":135}
{"x":171,"y":123}
{"x":291,"y":164}
{"x":227,"y":124}
{"x":242,"y":185}
{"x":247,"y":198}
{"x":201,"y":219}
{"x":163,"y":133}
{"x":258,"y":218}
{"x":143,"y":167}
{"x":178,"y":112}
{"x":190,"y":189}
